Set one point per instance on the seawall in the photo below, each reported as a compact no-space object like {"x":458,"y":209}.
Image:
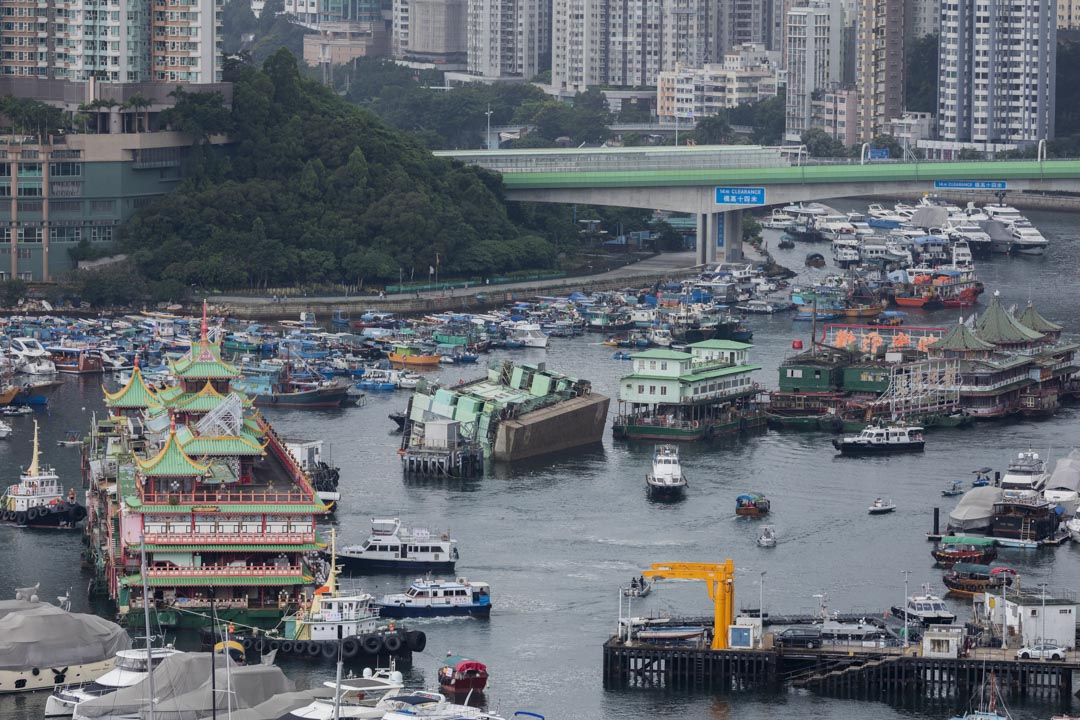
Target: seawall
{"x":573,"y":423}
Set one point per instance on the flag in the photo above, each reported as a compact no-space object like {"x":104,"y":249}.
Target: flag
{"x":430,"y":270}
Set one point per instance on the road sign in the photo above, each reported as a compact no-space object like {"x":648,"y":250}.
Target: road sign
{"x":740,"y":196}
{"x":882,"y":154}
{"x":969,"y":184}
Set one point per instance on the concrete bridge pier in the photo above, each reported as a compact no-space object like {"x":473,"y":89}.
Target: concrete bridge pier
{"x":701,"y":239}
{"x":732,"y":236}
{"x":712,"y":236}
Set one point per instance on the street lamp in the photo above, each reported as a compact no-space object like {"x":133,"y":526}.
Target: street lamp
{"x":1042,"y":615}
{"x":903,"y":608}
{"x":488,"y":137}
{"x":761,"y":598}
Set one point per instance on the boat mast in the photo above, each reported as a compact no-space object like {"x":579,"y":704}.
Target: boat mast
{"x":34,"y":470}
{"x":146,"y":609}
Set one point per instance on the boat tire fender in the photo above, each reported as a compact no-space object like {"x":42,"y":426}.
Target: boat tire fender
{"x":313,"y":649}
{"x":417,"y":640}
{"x":20,"y":517}
{"x":7,"y":515}
{"x":273,"y":645}
{"x":392,"y":643}
{"x":373,"y":644}
{"x":247,"y":642}
{"x":328,"y":650}
{"x":80,"y":512}
{"x":259,"y":644}
{"x":349,"y":648}
{"x":288,"y":647}
{"x":32,"y":514}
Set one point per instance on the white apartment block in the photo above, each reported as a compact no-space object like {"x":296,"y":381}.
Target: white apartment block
{"x":503,"y":38}
{"x":1068,"y":14}
{"x":836,"y":112}
{"x":746,"y":75}
{"x":879,"y":65}
{"x":997,"y":62}
{"x":305,"y":11}
{"x":922,"y":17}
{"x":614,"y":43}
{"x":814,"y":54}
{"x":119,"y":41}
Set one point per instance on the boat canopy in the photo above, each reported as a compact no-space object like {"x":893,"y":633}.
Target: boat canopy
{"x":1066,"y":475}
{"x":750,"y":498}
{"x":968,"y":540}
{"x":464,"y":664}
{"x":975,"y":509}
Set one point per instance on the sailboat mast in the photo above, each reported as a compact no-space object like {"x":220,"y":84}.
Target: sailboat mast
{"x":146,"y":610}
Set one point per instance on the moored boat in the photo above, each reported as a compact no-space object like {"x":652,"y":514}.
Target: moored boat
{"x":953,"y":549}
{"x":969,"y":579}
{"x":37,"y":500}
{"x":927,"y":608}
{"x":877,"y":440}
{"x":460,"y":676}
{"x":437,"y":598}
{"x":131,"y":667}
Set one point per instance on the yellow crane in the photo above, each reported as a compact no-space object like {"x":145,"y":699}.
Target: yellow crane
{"x":721,"y":583}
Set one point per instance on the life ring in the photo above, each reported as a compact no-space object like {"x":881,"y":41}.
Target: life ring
{"x":329,"y":650}
{"x":313,"y":649}
{"x":392,"y":643}
{"x":372,"y":644}
{"x":288,"y":647}
{"x":349,"y":648}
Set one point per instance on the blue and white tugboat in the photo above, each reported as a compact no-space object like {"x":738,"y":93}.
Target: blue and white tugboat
{"x":437,"y":598}
{"x":393,"y":548}
{"x":877,"y":440}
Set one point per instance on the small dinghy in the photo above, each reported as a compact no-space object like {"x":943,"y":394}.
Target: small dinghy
{"x":767,"y":538}
{"x":881,"y":507}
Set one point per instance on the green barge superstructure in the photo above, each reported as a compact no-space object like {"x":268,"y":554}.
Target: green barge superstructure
{"x":194,"y":476}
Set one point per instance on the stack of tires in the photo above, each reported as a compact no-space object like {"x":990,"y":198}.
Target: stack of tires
{"x":394,"y":642}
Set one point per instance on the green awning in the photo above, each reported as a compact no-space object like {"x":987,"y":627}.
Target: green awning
{"x":967,"y":540}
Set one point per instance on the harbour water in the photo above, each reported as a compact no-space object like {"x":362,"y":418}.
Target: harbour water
{"x":556,"y":538}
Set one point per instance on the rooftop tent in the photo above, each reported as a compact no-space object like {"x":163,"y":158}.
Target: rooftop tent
{"x":975,"y":509}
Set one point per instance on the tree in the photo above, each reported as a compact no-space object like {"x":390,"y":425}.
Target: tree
{"x":12,"y":292}
{"x":887,"y":142}
{"x":822,"y":145}
{"x":714,"y":130}
{"x":921,"y":78}
{"x":140,"y":103}
{"x":1067,"y":88}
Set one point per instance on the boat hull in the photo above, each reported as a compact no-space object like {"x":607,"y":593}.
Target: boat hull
{"x":975,"y":557}
{"x":319,"y":398}
{"x":665,"y":491}
{"x":374,"y":565}
{"x":406,"y":611}
{"x":12,"y":681}
{"x":55,"y":517}
{"x":751,"y":512}
{"x":876,"y":448}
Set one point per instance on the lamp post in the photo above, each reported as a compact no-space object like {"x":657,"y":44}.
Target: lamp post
{"x":903,"y":608}
{"x":488,"y":137}
{"x":761,"y":598}
{"x":1042,"y":617}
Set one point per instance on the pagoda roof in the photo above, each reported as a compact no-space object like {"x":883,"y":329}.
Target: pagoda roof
{"x":203,"y":401}
{"x":203,"y":362}
{"x":170,"y":393}
{"x":1032,"y":319}
{"x":962,"y":339}
{"x":136,"y":394}
{"x":221,"y":445}
{"x":172,"y":461}
{"x":135,"y":504}
{"x":999,"y":327}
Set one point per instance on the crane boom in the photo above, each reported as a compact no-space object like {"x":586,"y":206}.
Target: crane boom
{"x":720,"y":581}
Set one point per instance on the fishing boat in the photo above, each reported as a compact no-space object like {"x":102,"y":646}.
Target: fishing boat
{"x":927,"y":608}
{"x":957,"y":488}
{"x":752,"y":505}
{"x":76,"y":361}
{"x":37,"y":500}
{"x":881,"y":507}
{"x":391,"y":547}
{"x":412,"y":356}
{"x":284,"y":392}
{"x":767,"y":538}
{"x":666,"y":478}
{"x":460,"y":676}
{"x":877,"y":440}
{"x":953,"y":549}
{"x":969,"y":579}
{"x":437,"y":598}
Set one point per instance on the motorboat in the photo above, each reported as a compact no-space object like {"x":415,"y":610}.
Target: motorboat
{"x":881,"y":217}
{"x":5,"y":430}
{"x":845,"y":251}
{"x":752,"y":505}
{"x":927,"y":608}
{"x":877,"y":440}
{"x":661,"y":337}
{"x":131,"y":667}
{"x":37,"y":500}
{"x":393,"y":547}
{"x":30,"y":357}
{"x":460,"y":676}
{"x":860,"y":225}
{"x":360,"y":698}
{"x":529,"y":335}
{"x":1004,"y":214}
{"x":962,"y":258}
{"x":758,"y":307}
{"x":970,"y":579}
{"x":1072,"y":525}
{"x":957,"y":488}
{"x":418,"y":704}
{"x":881,"y":506}
{"x":1063,"y":486}
{"x":767,"y":538}
{"x":639,"y":587}
{"x":978,"y":240}
{"x":1027,"y":240}
{"x":666,"y":477}
{"x":1026,"y":472}
{"x":437,"y":598}
{"x":953,"y":549}
{"x":778,"y":220}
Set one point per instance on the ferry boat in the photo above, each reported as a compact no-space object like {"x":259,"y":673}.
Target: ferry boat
{"x":411,"y":356}
{"x":876,"y":440}
{"x":927,"y":608}
{"x":37,"y":500}
{"x":666,"y":478}
{"x":131,"y":668}
{"x":438,"y":598}
{"x":953,"y":549}
{"x":391,"y":547}
{"x":460,"y":676}
{"x":752,"y":505}
{"x":970,"y":579}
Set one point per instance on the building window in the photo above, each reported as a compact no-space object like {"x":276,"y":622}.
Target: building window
{"x":652,"y":389}
{"x":65,"y":189}
{"x":29,"y":206}
{"x":641,"y":389}
{"x":65,"y":169}
{"x":102,"y":206}
{"x":652,"y":364}
{"x":29,"y":169}
{"x":663,"y":366}
{"x":663,"y":390}
{"x":29,"y":190}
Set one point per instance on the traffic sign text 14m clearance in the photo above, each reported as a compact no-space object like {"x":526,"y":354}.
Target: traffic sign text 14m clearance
{"x":969,"y":184}
{"x":740,"y":196}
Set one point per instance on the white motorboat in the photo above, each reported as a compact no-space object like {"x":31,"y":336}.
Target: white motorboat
{"x":30,"y":357}
{"x":778,"y":220}
{"x":5,"y":430}
{"x":758,"y":307}
{"x":767,"y":538}
{"x":421,"y":705}
{"x":131,"y":667}
{"x":661,"y":337}
{"x":1026,"y":472}
{"x":1027,"y":240}
{"x":845,"y":250}
{"x":391,"y":547}
{"x":874,"y":440}
{"x":361,"y":698}
{"x":962,"y":258}
{"x":1073,"y":526}
{"x":529,"y":334}
{"x":1005,"y":214}
{"x":639,"y":587}
{"x":978,"y":240}
{"x":880,"y":506}
{"x":927,"y":608}
{"x":666,"y":478}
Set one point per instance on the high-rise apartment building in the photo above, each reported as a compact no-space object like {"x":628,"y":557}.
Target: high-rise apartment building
{"x":879,"y":66}
{"x":814,"y":60}
{"x":743,"y":21}
{"x":747,"y":74}
{"x":124,"y":41}
{"x":433,"y":30}
{"x":503,"y":38}
{"x":1068,"y":14}
{"x":615,"y":43}
{"x":689,"y":31}
{"x":921,"y":18}
{"x":997,"y":62}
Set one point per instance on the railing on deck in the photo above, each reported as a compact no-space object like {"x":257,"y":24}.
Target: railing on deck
{"x":225,"y":571}
{"x":268,"y":538}
{"x":262,"y":497}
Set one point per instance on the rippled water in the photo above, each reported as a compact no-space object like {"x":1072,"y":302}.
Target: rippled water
{"x":555,"y":538}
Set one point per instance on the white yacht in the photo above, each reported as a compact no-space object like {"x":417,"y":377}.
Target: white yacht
{"x":927,"y":608}
{"x":391,"y":547}
{"x":661,"y":337}
{"x":431,"y":706}
{"x":884,"y":218}
{"x":845,"y":251}
{"x":530,"y":335}
{"x":978,"y":240}
{"x":1073,"y":526}
{"x":1063,"y":486}
{"x":30,"y":357}
{"x":962,"y":258}
{"x":1027,"y":240}
{"x":666,"y":477}
{"x":778,"y":220}
{"x":1004,"y":214}
{"x":833,"y":227}
{"x":859,"y":224}
{"x":975,"y":213}
{"x":132,"y":667}
{"x":1026,"y":472}
{"x":361,"y":698}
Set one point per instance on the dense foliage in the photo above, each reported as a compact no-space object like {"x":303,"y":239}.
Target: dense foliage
{"x":921,"y":78}
{"x":316,"y":190}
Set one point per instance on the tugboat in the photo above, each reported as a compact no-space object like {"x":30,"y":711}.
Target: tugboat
{"x":666,"y":478}
{"x":928,"y":609}
{"x":460,"y":676}
{"x":438,"y":598}
{"x":38,"y":500}
{"x":875,"y":440}
{"x":393,"y":548}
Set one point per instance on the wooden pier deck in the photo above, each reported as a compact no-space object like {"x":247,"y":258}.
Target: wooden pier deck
{"x":835,"y":670}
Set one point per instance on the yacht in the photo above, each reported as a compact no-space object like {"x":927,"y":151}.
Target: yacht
{"x":778,"y":220}
{"x":30,"y":357}
{"x":833,"y":227}
{"x":437,"y":598}
{"x":962,"y":259}
{"x":845,"y":251}
{"x":859,"y":223}
{"x":666,"y":478}
{"x":1004,"y":214}
{"x":364,"y":698}
{"x":530,"y":335}
{"x":1073,"y":526}
{"x":1027,"y":240}
{"x":1026,"y":472}
{"x":884,"y":218}
{"x":433,"y":706}
{"x":927,"y":608}
{"x":975,"y":214}
{"x":132,"y":667}
{"x":976,"y":238}
{"x":391,"y":547}
{"x":875,"y":440}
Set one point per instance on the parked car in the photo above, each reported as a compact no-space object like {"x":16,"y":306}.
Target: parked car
{"x":807,"y":636}
{"x":1044,"y":650}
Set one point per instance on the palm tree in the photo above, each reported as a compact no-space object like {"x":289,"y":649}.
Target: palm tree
{"x":138,"y":102}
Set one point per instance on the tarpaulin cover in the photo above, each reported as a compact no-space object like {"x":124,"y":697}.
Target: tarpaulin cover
{"x":40,"y":635}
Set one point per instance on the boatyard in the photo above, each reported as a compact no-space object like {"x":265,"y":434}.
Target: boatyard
{"x":551,"y":470}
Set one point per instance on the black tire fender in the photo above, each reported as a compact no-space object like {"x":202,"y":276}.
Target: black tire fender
{"x":349,"y":648}
{"x":373,"y":644}
{"x":392,"y":643}
{"x":313,"y":649}
{"x":328,"y":650}
{"x":288,"y":647}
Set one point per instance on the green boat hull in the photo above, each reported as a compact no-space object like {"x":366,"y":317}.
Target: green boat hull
{"x":266,"y":618}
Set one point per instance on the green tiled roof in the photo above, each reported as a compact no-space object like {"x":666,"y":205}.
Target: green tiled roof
{"x":248,"y":580}
{"x":720,"y":345}
{"x":137,"y":505}
{"x":135,"y":394}
{"x":962,"y":339}
{"x":999,"y":327}
{"x":302,"y":547}
{"x":1032,"y":319}
{"x":662,"y":355}
{"x":204,"y":361}
{"x":223,"y":445}
{"x":172,"y":461}
{"x":203,"y":401}
{"x":720,"y":372}
{"x":170,"y":393}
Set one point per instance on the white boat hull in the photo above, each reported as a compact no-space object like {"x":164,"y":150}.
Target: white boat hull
{"x":1029,"y":249}
{"x":47,"y":678}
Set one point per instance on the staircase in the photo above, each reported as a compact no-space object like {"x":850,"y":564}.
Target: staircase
{"x":847,"y":668}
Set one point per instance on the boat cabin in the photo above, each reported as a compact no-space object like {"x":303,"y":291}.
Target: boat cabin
{"x":752,"y":504}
